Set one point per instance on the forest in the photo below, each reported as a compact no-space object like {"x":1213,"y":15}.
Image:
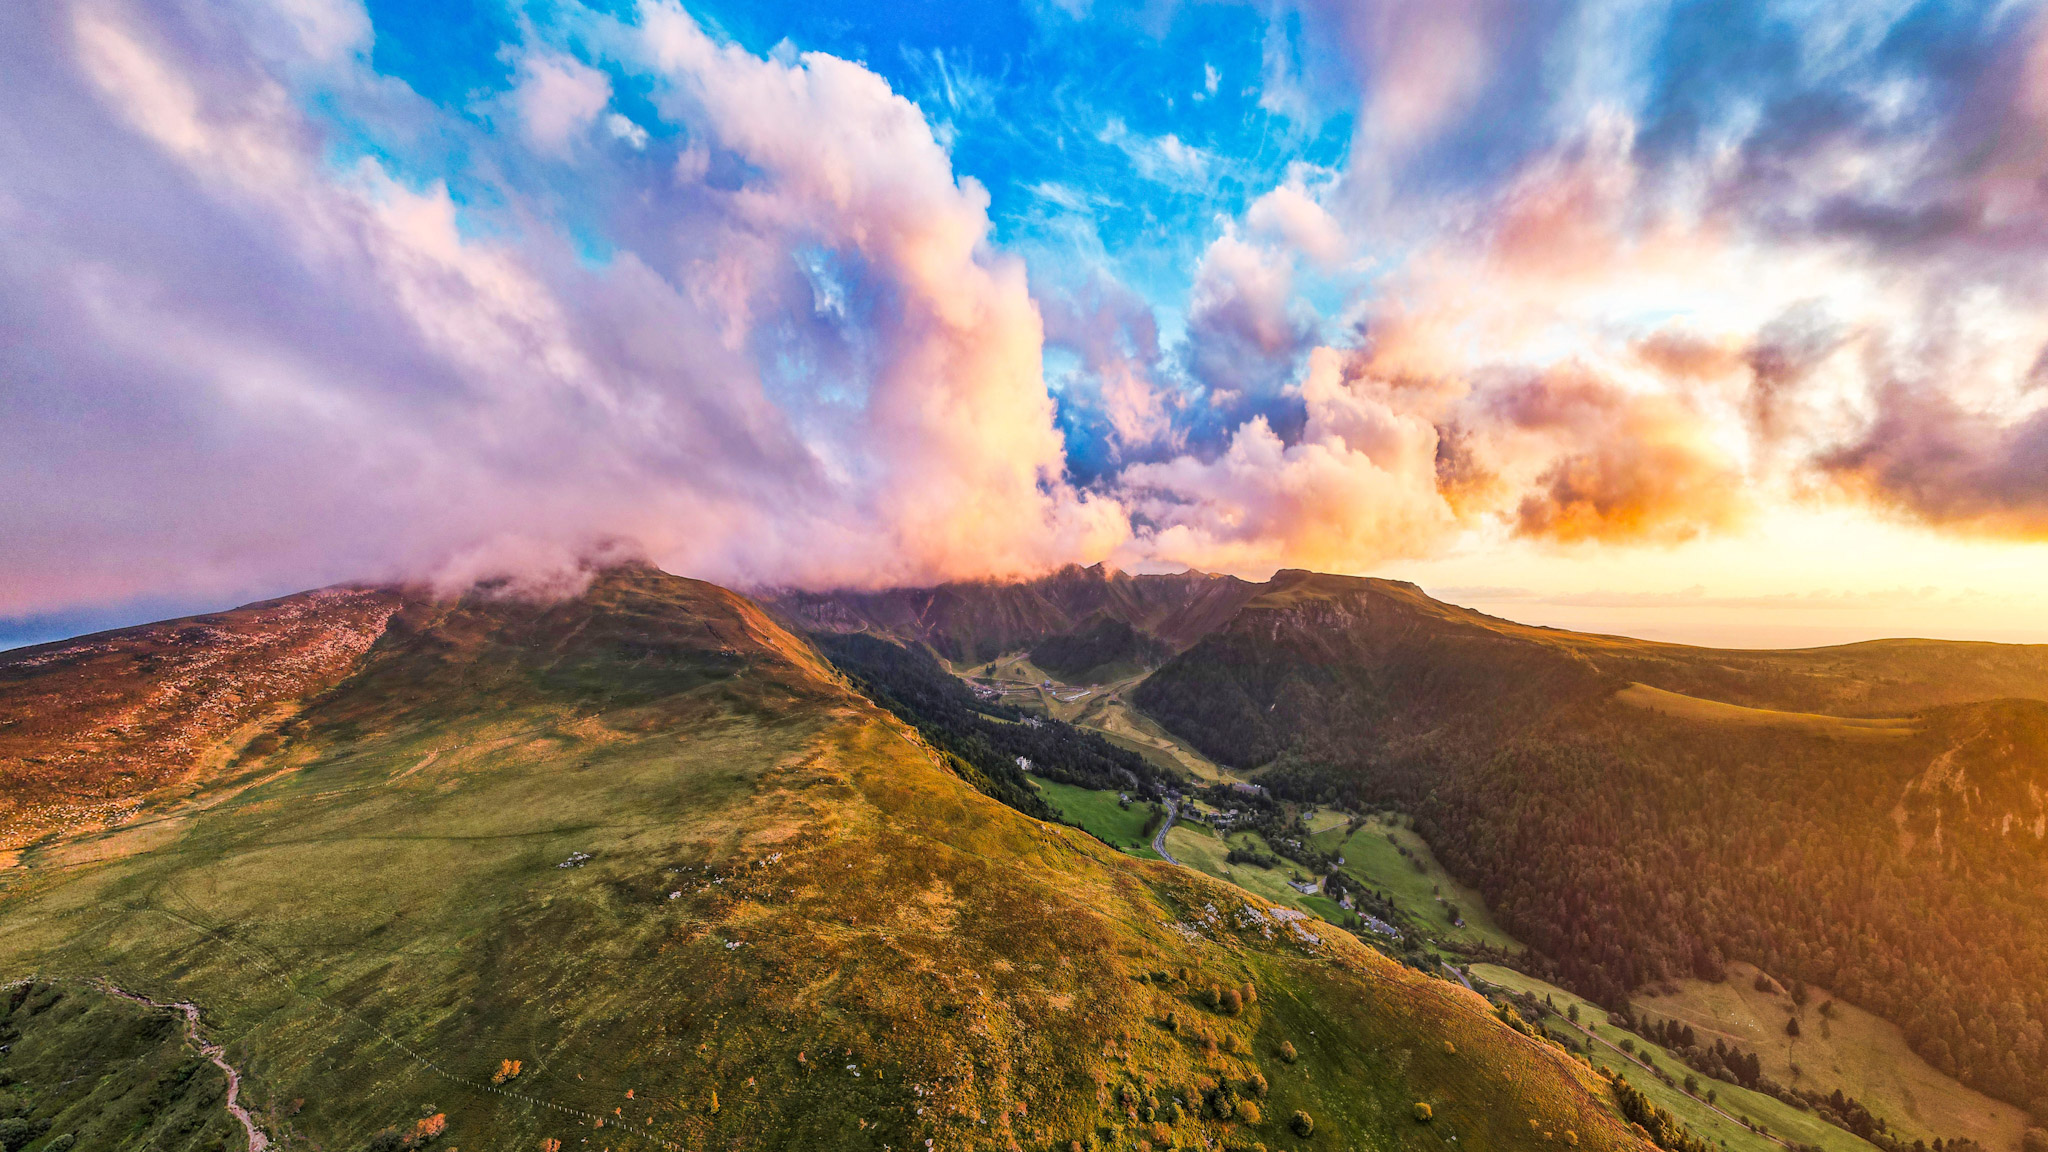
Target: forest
{"x":1629,"y":850}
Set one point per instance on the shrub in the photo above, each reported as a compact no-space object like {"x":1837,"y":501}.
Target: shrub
{"x":1171,"y":1023}
{"x":17,"y":1131}
{"x":1303,"y":1124}
{"x":711,"y":1105}
{"x":1230,"y":1042}
{"x":1571,"y":1138}
{"x":1250,"y":992}
{"x":1287,"y":1052}
{"x":1423,"y":1112}
{"x":426,"y":1130}
{"x":2036,"y":1140}
{"x":550,"y":1144}
{"x":507,"y":1070}
{"x":1255,"y":1084}
{"x":1248,"y":1111}
{"x":1450,"y":1049}
{"x":1230,"y":1002}
{"x":386,"y":1140}
{"x":1765,"y":984}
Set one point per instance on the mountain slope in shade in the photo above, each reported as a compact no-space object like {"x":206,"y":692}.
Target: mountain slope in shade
{"x":975,"y":621}
{"x":644,"y":844}
{"x":1871,"y":818}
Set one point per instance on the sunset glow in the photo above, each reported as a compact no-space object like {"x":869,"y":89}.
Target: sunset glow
{"x":1718,"y":323}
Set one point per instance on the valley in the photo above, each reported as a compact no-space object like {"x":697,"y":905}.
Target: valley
{"x":659,"y":856}
{"x":636,"y":870}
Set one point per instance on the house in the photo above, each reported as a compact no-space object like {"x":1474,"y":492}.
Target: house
{"x":1305,"y":887}
{"x":1023,"y":764}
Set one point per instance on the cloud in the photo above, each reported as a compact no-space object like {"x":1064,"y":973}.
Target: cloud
{"x":1586,"y":278}
{"x":1929,"y":457}
{"x":1163,"y":159}
{"x":1247,"y":331}
{"x":559,"y":96}
{"x":623,"y":129}
{"x":245,"y":364}
{"x":1618,"y":467}
{"x":1356,"y":489}
{"x":1116,"y":337}
{"x":1290,"y":214}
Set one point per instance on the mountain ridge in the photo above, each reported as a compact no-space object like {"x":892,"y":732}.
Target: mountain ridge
{"x":642,"y":852}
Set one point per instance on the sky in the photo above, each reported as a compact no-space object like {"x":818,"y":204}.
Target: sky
{"x":1714,"y":322}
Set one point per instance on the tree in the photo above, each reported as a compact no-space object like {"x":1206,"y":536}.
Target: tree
{"x":1248,"y":1111}
{"x":2035,"y":1140}
{"x":1287,"y":1051}
{"x":1792,"y":1026}
{"x":1303,"y":1124}
{"x":1423,"y":1112}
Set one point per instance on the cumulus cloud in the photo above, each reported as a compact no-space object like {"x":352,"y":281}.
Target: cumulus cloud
{"x":559,"y":96}
{"x":1356,"y":489}
{"x":243,"y":364}
{"x":1247,"y":328}
{"x":1586,"y":277}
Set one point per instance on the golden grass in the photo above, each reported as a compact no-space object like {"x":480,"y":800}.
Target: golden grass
{"x":1860,"y":1053}
{"x":1693,"y":708}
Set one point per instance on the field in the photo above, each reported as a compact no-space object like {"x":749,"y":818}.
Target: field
{"x":1099,"y":813}
{"x":1855,"y":1051}
{"x":1721,"y":1121}
{"x":1424,"y":893}
{"x":1200,"y":848}
{"x":1702,"y":711}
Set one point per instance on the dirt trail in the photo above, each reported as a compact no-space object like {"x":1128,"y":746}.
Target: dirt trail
{"x":214,"y":1052}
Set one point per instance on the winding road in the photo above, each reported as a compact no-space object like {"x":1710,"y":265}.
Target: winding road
{"x":1159,"y":838}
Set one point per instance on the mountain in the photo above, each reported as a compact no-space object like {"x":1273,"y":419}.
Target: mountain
{"x":636,"y":870}
{"x":970,"y":622}
{"x":1872,"y":818}
{"x":1101,"y":648}
{"x":90,"y":726}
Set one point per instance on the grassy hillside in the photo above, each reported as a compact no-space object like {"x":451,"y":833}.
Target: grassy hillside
{"x":91,"y":727}
{"x":646,"y":845}
{"x":1845,"y":1048}
{"x":1737,"y":1118}
{"x":1645,"y":812}
{"x":1415,"y":881}
{"x":1099,"y":813}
